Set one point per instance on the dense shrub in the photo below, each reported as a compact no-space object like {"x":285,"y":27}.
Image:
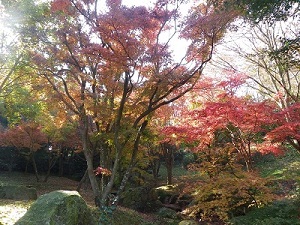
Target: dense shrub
{"x":226,"y":195}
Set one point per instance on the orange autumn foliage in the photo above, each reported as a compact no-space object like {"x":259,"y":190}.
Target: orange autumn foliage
{"x":26,"y":135}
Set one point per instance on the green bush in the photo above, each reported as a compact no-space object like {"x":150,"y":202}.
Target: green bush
{"x":284,"y":212}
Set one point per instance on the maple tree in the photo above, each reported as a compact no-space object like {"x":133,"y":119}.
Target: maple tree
{"x":28,"y":138}
{"x":112,"y":70}
{"x":238,"y":121}
{"x":224,"y":130}
{"x":288,"y":129}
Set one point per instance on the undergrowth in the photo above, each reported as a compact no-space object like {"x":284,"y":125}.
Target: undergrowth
{"x":284,"y":171}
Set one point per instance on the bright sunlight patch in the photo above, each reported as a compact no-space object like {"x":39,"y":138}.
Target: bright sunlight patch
{"x":11,"y":211}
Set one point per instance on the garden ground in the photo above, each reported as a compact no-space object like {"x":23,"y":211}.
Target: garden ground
{"x":284,"y":171}
{"x":12,"y":210}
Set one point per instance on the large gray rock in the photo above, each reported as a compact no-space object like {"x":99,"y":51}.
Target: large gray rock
{"x":58,"y":208}
{"x":17,"y":192}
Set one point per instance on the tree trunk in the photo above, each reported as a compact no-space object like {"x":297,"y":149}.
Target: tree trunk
{"x":61,"y":163}
{"x":122,"y":185}
{"x":168,"y":151}
{"x":88,"y":153}
{"x":51,"y":162}
{"x":47,"y":176}
{"x":155,"y":168}
{"x":34,"y":167}
{"x":154,"y":164}
{"x":118,"y":145}
{"x":131,"y":164}
{"x":170,"y":172}
{"x":105,"y":162}
{"x":108,"y":188}
{"x":83,"y":179}
{"x":294,"y":143}
{"x":92,"y":177}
